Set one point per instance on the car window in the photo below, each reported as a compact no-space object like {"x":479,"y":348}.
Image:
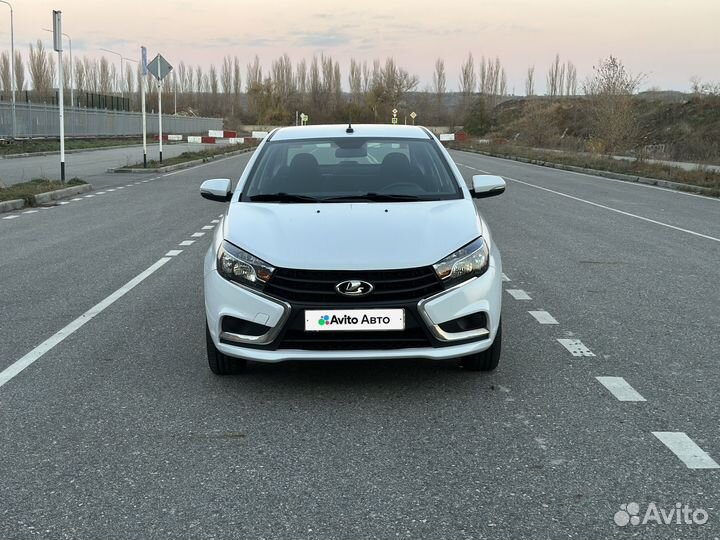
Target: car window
{"x":352,"y":167}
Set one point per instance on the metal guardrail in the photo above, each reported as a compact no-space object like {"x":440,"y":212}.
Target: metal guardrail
{"x":35,"y":120}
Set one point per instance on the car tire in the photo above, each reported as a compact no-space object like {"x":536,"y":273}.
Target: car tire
{"x":221,"y":364}
{"x":488,"y":359}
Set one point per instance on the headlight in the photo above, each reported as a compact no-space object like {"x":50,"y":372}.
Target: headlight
{"x":468,"y":261}
{"x":237,"y":265}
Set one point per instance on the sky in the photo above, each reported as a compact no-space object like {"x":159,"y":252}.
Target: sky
{"x":666,"y":40}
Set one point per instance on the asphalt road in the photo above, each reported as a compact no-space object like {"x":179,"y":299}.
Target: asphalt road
{"x":86,"y":165}
{"x":119,"y":430}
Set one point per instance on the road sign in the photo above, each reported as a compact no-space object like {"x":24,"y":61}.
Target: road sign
{"x":394,"y":111}
{"x":57,"y":31}
{"x":143,"y":59}
{"x":159,"y":67}
{"x":394,"y":120}
{"x":413,"y":115}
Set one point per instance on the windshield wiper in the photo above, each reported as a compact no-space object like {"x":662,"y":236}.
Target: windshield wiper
{"x":283,"y":198}
{"x":375,"y":197}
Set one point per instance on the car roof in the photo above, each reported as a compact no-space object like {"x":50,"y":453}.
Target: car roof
{"x":359,"y":130}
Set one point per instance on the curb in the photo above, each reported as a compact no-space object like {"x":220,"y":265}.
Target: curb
{"x":185,"y":165}
{"x":44,"y":198}
{"x":598,"y":172}
{"x":75,"y":151}
{"x":9,"y":206}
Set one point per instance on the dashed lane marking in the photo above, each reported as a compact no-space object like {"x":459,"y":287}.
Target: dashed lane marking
{"x":208,"y":227}
{"x":685,"y":448}
{"x":518,"y":294}
{"x":173,"y":252}
{"x":10,"y":217}
{"x":186,"y":243}
{"x":620,"y":388}
{"x":576,"y":347}
{"x":543,"y":317}
{"x":197,"y":234}
{"x":505,"y":278}
{"x":30,"y":212}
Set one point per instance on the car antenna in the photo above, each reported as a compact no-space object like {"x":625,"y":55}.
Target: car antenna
{"x":349,"y":128}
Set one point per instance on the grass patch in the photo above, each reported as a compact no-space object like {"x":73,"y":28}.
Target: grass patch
{"x":701,"y":177}
{"x":28,"y":190}
{"x":204,"y":155}
{"x":32,"y":146}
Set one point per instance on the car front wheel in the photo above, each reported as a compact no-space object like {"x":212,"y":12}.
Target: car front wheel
{"x":488,"y":359}
{"x":221,"y":364}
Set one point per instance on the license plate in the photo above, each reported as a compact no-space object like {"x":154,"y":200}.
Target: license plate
{"x":317,"y":320}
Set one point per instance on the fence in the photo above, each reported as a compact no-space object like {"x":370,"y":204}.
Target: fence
{"x":43,"y":121}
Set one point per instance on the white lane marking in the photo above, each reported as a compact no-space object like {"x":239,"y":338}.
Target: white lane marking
{"x":63,"y":203}
{"x":46,"y":207}
{"x":144,"y":181}
{"x":685,"y":448}
{"x":622,"y":212}
{"x":31,"y":212}
{"x":208,"y":227}
{"x":128,"y":185}
{"x":88,"y":196}
{"x":186,"y":243}
{"x":518,"y":294}
{"x":543,"y":317}
{"x":598,"y":177}
{"x":121,"y":187}
{"x":505,"y":278}
{"x":76,"y":199}
{"x":197,"y":234}
{"x":10,"y":217}
{"x":576,"y":347}
{"x":215,"y":221}
{"x":620,"y":388}
{"x":111,"y":190}
{"x":173,"y":252}
{"x":16,"y":367}
{"x":100,"y":193}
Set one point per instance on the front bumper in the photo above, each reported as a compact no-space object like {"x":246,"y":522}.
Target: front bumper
{"x":226,"y":299}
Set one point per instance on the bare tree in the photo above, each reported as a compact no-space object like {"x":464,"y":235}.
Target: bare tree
{"x":104,"y":76}
{"x":610,"y":90}
{"x":237,"y":82}
{"x":5,"y":84}
{"x":483,"y":79}
{"x":570,"y":79}
{"x":301,"y":77}
{"x":554,"y":86}
{"x":19,"y":72}
{"x":530,"y":82}
{"x":226,"y":75}
{"x":468,"y":79}
{"x":41,"y":69}
{"x":80,"y":75}
{"x":213,"y":83}
{"x":439,"y":79}
{"x":314,"y":82}
{"x":355,"y":80}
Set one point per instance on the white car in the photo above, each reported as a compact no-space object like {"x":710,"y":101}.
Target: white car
{"x":352,"y":242}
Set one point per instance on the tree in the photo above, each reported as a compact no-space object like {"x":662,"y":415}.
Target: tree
{"x":468,"y":80}
{"x":42,"y":69}
{"x":478,"y":120}
{"x":530,"y":82}
{"x":355,"y":80}
{"x":5,"y":84}
{"x":610,"y":90}
{"x":19,"y":72}
{"x":439,"y":85}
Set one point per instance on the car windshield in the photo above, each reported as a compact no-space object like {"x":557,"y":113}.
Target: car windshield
{"x":350,"y":169}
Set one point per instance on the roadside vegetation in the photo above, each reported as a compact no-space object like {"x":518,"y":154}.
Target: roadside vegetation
{"x":31,"y":146}
{"x":205,"y":155}
{"x":28,"y":190}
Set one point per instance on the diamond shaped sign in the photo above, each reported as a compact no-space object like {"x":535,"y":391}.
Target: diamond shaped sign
{"x":159,"y":67}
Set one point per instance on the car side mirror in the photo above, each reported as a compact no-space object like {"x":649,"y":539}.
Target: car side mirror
{"x":487,"y":185}
{"x":217,"y":189}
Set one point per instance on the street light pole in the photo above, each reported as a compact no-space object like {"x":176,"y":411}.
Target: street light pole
{"x":13,"y":82}
{"x":72,"y":68}
{"x":122,"y":74}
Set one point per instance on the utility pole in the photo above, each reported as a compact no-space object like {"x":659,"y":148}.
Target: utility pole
{"x":13,"y":82}
{"x":58,"y":45}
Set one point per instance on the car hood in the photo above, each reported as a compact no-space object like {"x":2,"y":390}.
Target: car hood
{"x":352,"y":236}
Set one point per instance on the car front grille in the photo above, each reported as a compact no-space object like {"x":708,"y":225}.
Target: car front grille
{"x":318,"y":286}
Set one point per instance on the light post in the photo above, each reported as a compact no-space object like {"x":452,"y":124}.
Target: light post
{"x":122,"y":73}
{"x":13,"y":83}
{"x":72,"y":68}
